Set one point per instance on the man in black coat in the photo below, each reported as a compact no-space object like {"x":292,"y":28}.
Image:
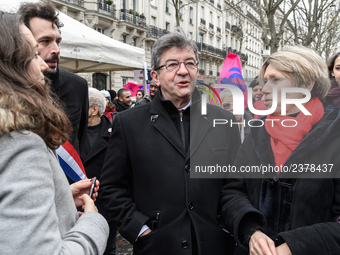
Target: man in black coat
{"x":94,"y":149}
{"x":72,"y":90}
{"x":123,"y":101}
{"x":146,"y":183}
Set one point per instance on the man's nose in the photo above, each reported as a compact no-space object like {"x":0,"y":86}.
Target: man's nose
{"x":55,"y":49}
{"x":182,"y":70}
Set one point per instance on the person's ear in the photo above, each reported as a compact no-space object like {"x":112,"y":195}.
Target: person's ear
{"x":155,"y":76}
{"x":95,"y":109}
{"x":310,"y":86}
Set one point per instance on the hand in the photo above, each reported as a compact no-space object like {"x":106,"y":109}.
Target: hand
{"x":145,"y":232}
{"x":283,"y":249}
{"x":261,"y":244}
{"x":88,"y":203}
{"x":83,"y":187}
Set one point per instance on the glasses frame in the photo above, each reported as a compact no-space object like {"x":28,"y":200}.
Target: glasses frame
{"x":179,"y":66}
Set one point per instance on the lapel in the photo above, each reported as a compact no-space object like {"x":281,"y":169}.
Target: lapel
{"x":199,"y":126}
{"x":98,"y":146}
{"x":161,"y":120}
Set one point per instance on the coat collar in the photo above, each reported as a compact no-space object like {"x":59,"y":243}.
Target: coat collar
{"x":161,"y":112}
{"x":321,"y":132}
{"x":102,"y":142}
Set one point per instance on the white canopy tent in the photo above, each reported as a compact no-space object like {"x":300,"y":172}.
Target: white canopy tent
{"x":85,"y":50}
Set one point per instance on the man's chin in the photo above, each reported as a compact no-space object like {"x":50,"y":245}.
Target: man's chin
{"x":50,"y":71}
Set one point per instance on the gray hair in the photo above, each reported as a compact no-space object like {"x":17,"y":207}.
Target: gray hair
{"x":168,"y":41}
{"x":224,"y":93}
{"x":97,"y":98}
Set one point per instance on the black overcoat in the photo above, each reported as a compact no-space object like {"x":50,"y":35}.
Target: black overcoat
{"x":146,"y":179}
{"x":72,"y":91}
{"x":313,"y":224}
{"x":93,"y":160}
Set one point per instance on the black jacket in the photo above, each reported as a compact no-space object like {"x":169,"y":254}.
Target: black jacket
{"x":146,"y":179}
{"x":120,"y":106}
{"x":312,"y":205}
{"x":93,"y":160}
{"x":72,"y":91}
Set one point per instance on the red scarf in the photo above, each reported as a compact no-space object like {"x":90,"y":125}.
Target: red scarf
{"x":284,"y":140}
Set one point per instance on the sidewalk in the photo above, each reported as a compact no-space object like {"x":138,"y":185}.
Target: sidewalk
{"x":123,"y":246}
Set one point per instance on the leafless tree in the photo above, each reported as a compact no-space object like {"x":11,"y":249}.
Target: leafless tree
{"x":274,"y":20}
{"x":179,"y":5}
{"x":315,"y":24}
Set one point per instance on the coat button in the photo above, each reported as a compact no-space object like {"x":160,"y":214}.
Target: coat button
{"x":185,"y":244}
{"x":187,"y":168}
{"x":190,"y":206}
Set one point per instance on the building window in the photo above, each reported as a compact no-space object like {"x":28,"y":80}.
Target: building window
{"x":153,"y":21}
{"x":100,"y":30}
{"x":135,"y":41}
{"x":167,"y":26}
{"x":124,"y":38}
{"x":135,"y":5}
{"x":191,"y":11}
{"x":153,"y":2}
{"x":201,"y":38}
{"x":167,"y":6}
{"x":123,"y":4}
{"x":99,"y":81}
{"x":201,"y":64}
{"x":124,"y":81}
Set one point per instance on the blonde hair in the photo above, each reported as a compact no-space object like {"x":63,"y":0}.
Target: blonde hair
{"x":302,"y":64}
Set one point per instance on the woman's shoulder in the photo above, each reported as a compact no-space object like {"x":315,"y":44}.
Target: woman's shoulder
{"x":21,"y":139}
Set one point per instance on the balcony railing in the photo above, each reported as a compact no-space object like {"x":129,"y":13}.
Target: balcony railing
{"x":79,"y":3}
{"x":253,"y":18}
{"x":202,"y":47}
{"x":155,"y":32}
{"x":132,"y":18}
{"x":109,"y":9}
{"x":244,"y":57}
{"x":237,"y":30}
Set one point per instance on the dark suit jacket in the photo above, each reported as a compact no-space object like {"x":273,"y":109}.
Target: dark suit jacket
{"x":146,"y":180}
{"x":93,"y":159}
{"x":72,"y":91}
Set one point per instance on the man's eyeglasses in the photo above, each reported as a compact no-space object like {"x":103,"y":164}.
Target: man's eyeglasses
{"x":227,"y":106}
{"x":173,"y":65}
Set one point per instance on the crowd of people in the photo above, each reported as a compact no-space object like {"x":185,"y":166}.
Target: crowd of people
{"x":144,"y":156}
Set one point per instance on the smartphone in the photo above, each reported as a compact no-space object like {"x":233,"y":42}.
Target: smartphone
{"x":92,"y":186}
